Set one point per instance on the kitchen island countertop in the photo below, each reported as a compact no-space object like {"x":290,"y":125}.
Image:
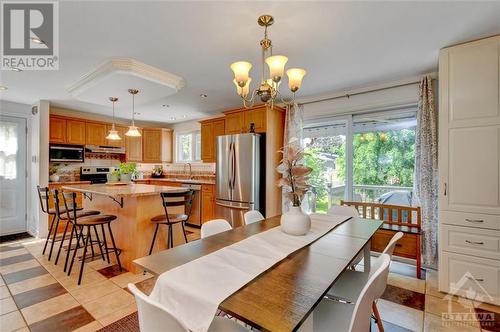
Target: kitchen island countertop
{"x":129,"y":190}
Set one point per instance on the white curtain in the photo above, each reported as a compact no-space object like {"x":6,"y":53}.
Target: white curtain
{"x":426,"y":170}
{"x":293,"y":135}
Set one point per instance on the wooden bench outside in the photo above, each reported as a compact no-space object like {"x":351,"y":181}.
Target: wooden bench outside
{"x":396,"y":218}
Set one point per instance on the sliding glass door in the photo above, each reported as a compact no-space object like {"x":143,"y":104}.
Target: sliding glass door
{"x":367,"y":157}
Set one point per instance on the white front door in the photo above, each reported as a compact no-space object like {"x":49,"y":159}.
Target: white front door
{"x":12,"y":175}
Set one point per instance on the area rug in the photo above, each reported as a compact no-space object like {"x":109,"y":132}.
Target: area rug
{"x":128,"y":323}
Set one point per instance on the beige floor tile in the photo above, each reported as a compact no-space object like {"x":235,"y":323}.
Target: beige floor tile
{"x":108,"y":304}
{"x":12,"y":253}
{"x":49,"y":308}
{"x":2,"y":283}
{"x":23,"y":329}
{"x":431,"y":285}
{"x":7,"y":305}
{"x":122,"y":280}
{"x":433,"y":323}
{"x":438,"y":306}
{"x":12,"y":321}
{"x":406,"y":282}
{"x":4,"y":292}
{"x":403,"y":316}
{"x":91,"y":327}
{"x":88,"y":278}
{"x":119,"y":314}
{"x":29,"y":284}
{"x":487,"y":306}
{"x":19,"y":266}
{"x":94,"y":291}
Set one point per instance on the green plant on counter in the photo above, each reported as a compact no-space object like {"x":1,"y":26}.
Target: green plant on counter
{"x":127,"y":168}
{"x":53,"y":168}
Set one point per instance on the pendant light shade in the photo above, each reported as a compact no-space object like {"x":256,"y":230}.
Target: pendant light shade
{"x":295,"y":76}
{"x":133,"y":131}
{"x":113,"y":133}
{"x":276,"y":65}
{"x":241,"y":70}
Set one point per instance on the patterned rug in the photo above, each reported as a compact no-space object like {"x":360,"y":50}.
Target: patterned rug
{"x":129,"y":323}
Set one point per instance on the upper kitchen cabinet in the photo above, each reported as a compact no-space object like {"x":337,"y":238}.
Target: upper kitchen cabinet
{"x":257,"y":116}
{"x":75,"y":132}
{"x":210,"y":130}
{"x":133,"y":147}
{"x":469,"y":84}
{"x":239,"y":121}
{"x":156,"y":145}
{"x":234,"y":122}
{"x":57,"y":130}
{"x":121,"y":131}
{"x":95,"y":133}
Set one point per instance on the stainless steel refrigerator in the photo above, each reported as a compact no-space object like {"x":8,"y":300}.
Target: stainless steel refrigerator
{"x":238,"y":176}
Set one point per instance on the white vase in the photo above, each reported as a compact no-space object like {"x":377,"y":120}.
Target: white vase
{"x":54,"y":178}
{"x":295,"y":222}
{"x":125,"y":177}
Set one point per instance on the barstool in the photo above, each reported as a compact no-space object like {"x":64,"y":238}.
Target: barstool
{"x":43,"y":195}
{"x":88,"y":222}
{"x":62,"y":214}
{"x":172,"y":200}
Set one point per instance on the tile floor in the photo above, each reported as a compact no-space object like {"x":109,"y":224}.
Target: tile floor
{"x":36,"y":295}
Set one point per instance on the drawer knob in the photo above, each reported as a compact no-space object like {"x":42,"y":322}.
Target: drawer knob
{"x":399,"y":245}
{"x":475,"y":279}
{"x":473,"y":242}
{"x":474,"y":220}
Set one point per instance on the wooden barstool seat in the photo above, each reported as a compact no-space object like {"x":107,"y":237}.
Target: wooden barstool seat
{"x":80,"y":214}
{"x":184,"y":199}
{"x":95,"y":220}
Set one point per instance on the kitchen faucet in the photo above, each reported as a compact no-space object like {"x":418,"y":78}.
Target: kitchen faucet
{"x":190,"y":170}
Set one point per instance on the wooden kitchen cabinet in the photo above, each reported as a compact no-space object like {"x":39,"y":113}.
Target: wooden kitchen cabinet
{"x":95,"y":133}
{"x":210,"y":130}
{"x":133,"y":148}
{"x":57,"y":130}
{"x":121,"y":131}
{"x":256,"y":116}
{"x":207,"y":202}
{"x":75,"y":132}
{"x":235,"y":123}
{"x":156,"y":145}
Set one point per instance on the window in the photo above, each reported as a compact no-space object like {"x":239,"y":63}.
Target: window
{"x":368,"y":157}
{"x":188,"y":146}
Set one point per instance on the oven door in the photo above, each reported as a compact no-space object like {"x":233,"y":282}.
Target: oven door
{"x":59,"y":153}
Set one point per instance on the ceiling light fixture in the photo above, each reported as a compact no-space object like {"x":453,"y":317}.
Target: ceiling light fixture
{"x":268,"y":90}
{"x":172,"y":118}
{"x":113,"y":133}
{"x":132,"y":129}
{"x":203,"y":95}
{"x":37,"y":40}
{"x":3,"y":87}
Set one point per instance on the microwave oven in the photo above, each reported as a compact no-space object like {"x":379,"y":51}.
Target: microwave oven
{"x":65,"y":153}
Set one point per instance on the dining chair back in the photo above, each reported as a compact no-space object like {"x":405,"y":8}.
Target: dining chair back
{"x":344,"y":210}
{"x":152,"y":315}
{"x":213,"y":227}
{"x":43,"y":195}
{"x":252,"y":216}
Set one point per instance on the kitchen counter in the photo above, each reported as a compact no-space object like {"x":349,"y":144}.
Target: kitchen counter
{"x":67,"y":183}
{"x":177,"y":180}
{"x":134,"y":205}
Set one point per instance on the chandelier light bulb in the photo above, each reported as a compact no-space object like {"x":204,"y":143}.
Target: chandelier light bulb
{"x":243,"y":91}
{"x":241,"y":70}
{"x":276,"y":64}
{"x":295,"y":76}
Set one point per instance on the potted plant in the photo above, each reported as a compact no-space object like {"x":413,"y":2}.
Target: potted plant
{"x":114,"y":176}
{"x":53,"y":176}
{"x":127,"y":170}
{"x":294,"y":182}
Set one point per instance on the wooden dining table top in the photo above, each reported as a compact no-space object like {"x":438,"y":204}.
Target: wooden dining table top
{"x":281,"y":298}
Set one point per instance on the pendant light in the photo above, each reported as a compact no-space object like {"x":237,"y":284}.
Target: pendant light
{"x":132,"y":129}
{"x":113,"y":133}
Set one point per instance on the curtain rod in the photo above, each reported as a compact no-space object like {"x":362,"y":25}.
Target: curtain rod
{"x":348,"y":95}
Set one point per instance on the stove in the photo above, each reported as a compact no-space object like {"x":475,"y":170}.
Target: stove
{"x":95,"y":174}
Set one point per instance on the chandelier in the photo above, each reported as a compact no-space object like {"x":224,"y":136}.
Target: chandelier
{"x":268,"y":89}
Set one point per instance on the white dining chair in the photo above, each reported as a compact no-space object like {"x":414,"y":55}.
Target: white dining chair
{"x":213,"y":227}
{"x":252,"y":216}
{"x":344,"y":210}
{"x":154,"y":317}
{"x":331,"y":315}
{"x":349,"y":284}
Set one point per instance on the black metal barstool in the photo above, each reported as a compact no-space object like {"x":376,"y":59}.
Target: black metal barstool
{"x":89,"y":223}
{"x":62,"y":215}
{"x":172,"y":200}
{"x":43,"y":195}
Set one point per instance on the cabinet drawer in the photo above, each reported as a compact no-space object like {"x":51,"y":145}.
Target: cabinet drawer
{"x":459,"y":274}
{"x":472,"y":241}
{"x":209,"y":188}
{"x":405,"y":247}
{"x":476,"y":220}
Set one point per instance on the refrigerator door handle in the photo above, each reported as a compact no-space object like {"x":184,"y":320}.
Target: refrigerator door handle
{"x":230,"y":166}
{"x":234,"y":166}
{"x":233,"y":207}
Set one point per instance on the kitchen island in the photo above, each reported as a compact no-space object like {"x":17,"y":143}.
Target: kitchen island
{"x":134,"y":205}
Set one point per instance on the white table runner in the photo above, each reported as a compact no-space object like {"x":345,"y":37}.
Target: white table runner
{"x":192,"y":292}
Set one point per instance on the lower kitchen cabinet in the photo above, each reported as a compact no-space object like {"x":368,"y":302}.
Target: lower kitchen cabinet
{"x":207,"y":202}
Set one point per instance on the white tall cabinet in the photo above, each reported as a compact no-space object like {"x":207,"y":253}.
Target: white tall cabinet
{"x":469,"y":172}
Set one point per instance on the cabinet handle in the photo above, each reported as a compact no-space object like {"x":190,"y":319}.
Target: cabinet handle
{"x":473,"y":242}
{"x":475,"y":279}
{"x":474,"y":220}
{"x":445,"y":187}
{"x":399,"y":245}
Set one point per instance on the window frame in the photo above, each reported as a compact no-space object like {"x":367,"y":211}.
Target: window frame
{"x":194,"y":148}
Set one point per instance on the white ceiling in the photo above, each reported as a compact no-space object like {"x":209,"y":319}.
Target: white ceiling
{"x":341,"y":44}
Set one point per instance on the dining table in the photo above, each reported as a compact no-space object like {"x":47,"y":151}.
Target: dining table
{"x":283,"y":297}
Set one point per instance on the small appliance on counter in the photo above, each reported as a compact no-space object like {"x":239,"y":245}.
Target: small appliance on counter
{"x":95,"y":174}
{"x":157,"y":171}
